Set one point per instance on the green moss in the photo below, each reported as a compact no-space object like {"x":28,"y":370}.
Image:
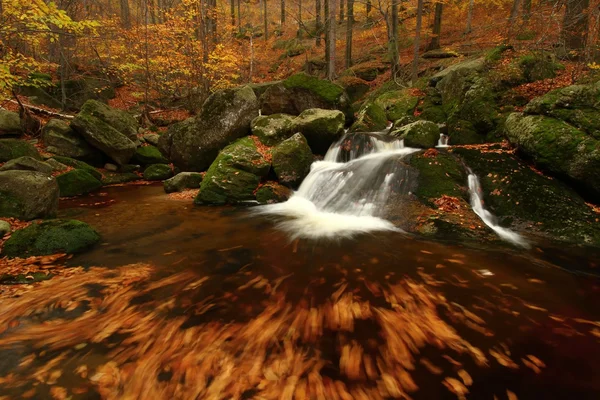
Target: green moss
{"x":114,"y":178}
{"x":328,"y":91}
{"x":291,"y":160}
{"x":440,"y":175}
{"x":77,"y":182}
{"x":397,"y":103}
{"x":79,"y":165}
{"x":15,"y":148}
{"x":371,"y":117}
{"x":10,"y":206}
{"x":420,"y":134}
{"x":272,"y":129}
{"x":51,"y":237}
{"x":272,"y":192}
{"x":496,"y":53}
{"x":538,"y":67}
{"x":147,"y":155}
{"x":462,"y":132}
{"x":355,"y":87}
{"x":158,"y":172}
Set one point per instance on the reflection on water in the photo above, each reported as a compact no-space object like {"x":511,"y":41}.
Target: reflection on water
{"x":215,"y":304}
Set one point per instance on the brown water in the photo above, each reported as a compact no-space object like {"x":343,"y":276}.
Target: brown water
{"x":517,"y":322}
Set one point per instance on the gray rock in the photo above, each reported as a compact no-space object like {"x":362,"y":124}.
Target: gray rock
{"x":56,"y":166}
{"x":10,"y":124}
{"x":320,"y":128}
{"x":151,"y":138}
{"x":111,"y":167}
{"x":120,"y":120}
{"x":28,"y":195}
{"x":27,"y":164}
{"x":182,"y":181}
{"x":273,"y":129}
{"x":291,"y":160}
{"x":61,"y":140}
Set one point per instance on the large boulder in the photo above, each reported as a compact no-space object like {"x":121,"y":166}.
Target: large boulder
{"x":420,"y":134}
{"x":27,"y":164}
{"x":193,"y":145}
{"x":367,"y":71}
{"x":70,"y":162}
{"x":301,"y":92}
{"x":320,"y":127}
{"x":146,"y":155}
{"x":103,"y":136}
{"x":234,"y":176}
{"x":370,"y":118}
{"x":15,"y":148}
{"x":398,"y":103}
{"x":158,"y":172}
{"x":10,"y":124}
{"x":61,"y":140}
{"x":273,"y":129}
{"x":182,"y":181}
{"x":120,"y":120}
{"x":558,"y":148}
{"x":77,"y":182}
{"x":291,"y":160}
{"x":28,"y":195}
{"x":51,"y":237}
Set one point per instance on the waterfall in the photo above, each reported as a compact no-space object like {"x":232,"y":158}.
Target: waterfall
{"x":343,"y":195}
{"x":487,"y":217}
{"x":443,"y":141}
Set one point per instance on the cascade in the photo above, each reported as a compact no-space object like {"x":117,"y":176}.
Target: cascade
{"x":443,"y":141}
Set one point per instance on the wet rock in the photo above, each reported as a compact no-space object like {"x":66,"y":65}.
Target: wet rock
{"x":273,"y":129}
{"x":355,"y":87}
{"x":420,"y":134}
{"x":291,"y":160}
{"x":27,"y":195}
{"x":146,"y":155}
{"x":272,"y":192}
{"x":398,"y":104}
{"x":439,"y":175}
{"x":77,"y":182}
{"x":10,"y":124}
{"x":182,"y":181}
{"x":111,"y":167}
{"x":234,"y":175}
{"x":27,"y":164}
{"x":78,"y":165}
{"x":320,"y":127}
{"x":158,"y":172}
{"x":4,"y":228}
{"x":370,"y":118}
{"x":15,"y":148}
{"x":193,"y":145}
{"x":61,"y":140}
{"x":51,"y":237}
{"x":56,"y":166}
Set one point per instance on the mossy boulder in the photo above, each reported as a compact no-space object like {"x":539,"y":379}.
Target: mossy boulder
{"x":355,"y":87}
{"x":438,"y":176}
{"x":146,"y":155}
{"x":61,"y":140}
{"x":4,"y":228}
{"x":524,"y":200}
{"x":273,"y":129}
{"x":115,"y":178}
{"x":367,"y":71}
{"x":234,"y":176}
{"x":558,"y":148}
{"x":320,"y":127}
{"x":301,"y":92}
{"x":420,"y":134}
{"x":463,"y":132}
{"x":194,"y":144}
{"x":51,"y":237}
{"x":10,"y":123}
{"x":77,"y":164}
{"x":27,"y":164}
{"x":398,"y":103}
{"x":77,"y":182}
{"x":120,"y":120}
{"x":15,"y":148}
{"x":291,"y":160}
{"x":537,"y":67}
{"x":370,"y":118}
{"x":28,"y":195}
{"x":182,"y":181}
{"x":158,"y":172}
{"x":272,"y":192}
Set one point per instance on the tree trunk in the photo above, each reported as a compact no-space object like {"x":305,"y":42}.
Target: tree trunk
{"x":266,"y":23}
{"x":415,"y":66}
{"x":331,"y":24}
{"x":282,"y":12}
{"x":318,"y":22}
{"x":470,"y":17}
{"x":299,"y":14}
{"x":214,"y":21}
{"x":575,"y":24}
{"x":526,"y":10}
{"x":369,"y":6}
{"x":349,"y":31}
{"x":434,"y":44}
{"x":393,"y":38}
{"x":239,"y":21}
{"x":514,"y":13}
{"x":125,"y":14}
{"x":341,"y":10}
{"x":232,"y":11}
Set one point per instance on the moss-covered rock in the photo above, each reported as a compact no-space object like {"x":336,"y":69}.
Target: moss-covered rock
{"x":51,"y":237}
{"x":78,"y":165}
{"x":320,"y":127}
{"x":120,"y":120}
{"x":291,"y":160}
{"x":355,"y":87}
{"x":10,"y":123}
{"x":462,"y":132}
{"x":182,"y":181}
{"x":558,"y":148}
{"x":4,"y":228}
{"x":438,"y":176}
{"x":158,"y":172}
{"x":234,"y":175}
{"x":27,"y":164}
{"x":398,"y":103}
{"x":420,"y":134}
{"x":367,"y":71}
{"x":273,"y":129}
{"x":527,"y":201}
{"x":77,"y":182}
{"x":115,"y":178}
{"x":537,"y":67}
{"x":371,"y":117}
{"x":146,"y":155}
{"x":15,"y":148}
{"x":28,"y":195}
{"x":61,"y":140}
{"x":272,"y":192}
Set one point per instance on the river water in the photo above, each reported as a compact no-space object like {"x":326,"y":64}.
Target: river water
{"x":428,"y":319}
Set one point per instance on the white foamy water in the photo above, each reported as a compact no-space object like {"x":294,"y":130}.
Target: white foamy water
{"x":443,"y":141}
{"x":487,"y":217}
{"x":342,"y":199}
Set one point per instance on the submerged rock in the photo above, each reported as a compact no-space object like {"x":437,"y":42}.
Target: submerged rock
{"x":272,"y":192}
{"x":77,"y":182}
{"x":10,"y":124}
{"x":158,"y":172}
{"x":420,"y":134}
{"x":291,"y":160}
{"x":234,"y":175}
{"x":182,"y":181}
{"x":27,"y":164}
{"x":193,"y":145}
{"x":61,"y":140}
{"x":51,"y":237}
{"x":28,"y":195}
{"x":15,"y":148}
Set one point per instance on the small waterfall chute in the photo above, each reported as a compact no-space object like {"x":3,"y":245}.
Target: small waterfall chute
{"x":444,"y":141}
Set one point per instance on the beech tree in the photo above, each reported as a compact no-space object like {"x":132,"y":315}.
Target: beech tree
{"x":434,"y":43}
{"x":575,"y":25}
{"x":349,"y":32}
